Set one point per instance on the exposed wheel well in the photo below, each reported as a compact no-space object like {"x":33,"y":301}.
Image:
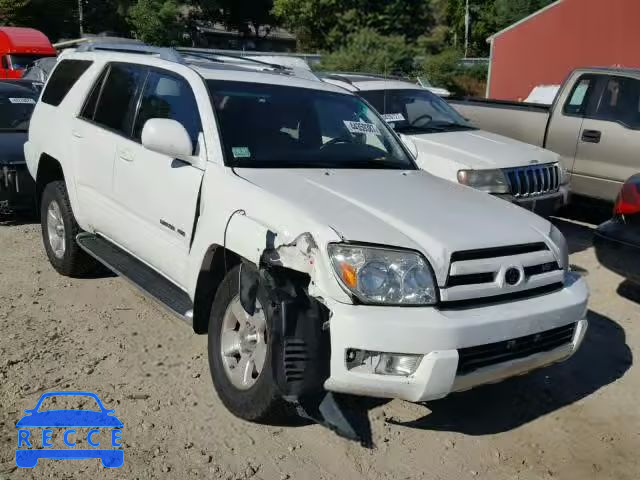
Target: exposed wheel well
{"x":217,"y":262}
{"x":49,"y":170}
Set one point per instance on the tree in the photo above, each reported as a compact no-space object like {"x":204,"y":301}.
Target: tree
{"x":369,"y":51}
{"x":106,"y":16}
{"x":327,"y":24}
{"x":509,"y":12}
{"x":157,"y":22}
{"x":57,"y":19}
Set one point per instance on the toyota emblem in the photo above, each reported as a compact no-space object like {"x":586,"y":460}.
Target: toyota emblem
{"x":512,"y":276}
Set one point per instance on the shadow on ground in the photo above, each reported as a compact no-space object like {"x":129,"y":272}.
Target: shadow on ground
{"x":603,"y":358}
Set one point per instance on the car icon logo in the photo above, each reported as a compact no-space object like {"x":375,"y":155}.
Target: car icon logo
{"x":74,"y":421}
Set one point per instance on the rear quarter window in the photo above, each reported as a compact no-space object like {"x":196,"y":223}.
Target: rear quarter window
{"x":63,"y":78}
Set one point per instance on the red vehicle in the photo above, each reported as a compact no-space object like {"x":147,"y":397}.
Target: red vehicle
{"x":19,"y":48}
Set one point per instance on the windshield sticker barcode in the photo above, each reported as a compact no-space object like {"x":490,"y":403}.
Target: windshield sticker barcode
{"x":361,"y":127}
{"x":393,"y":117}
{"x":29,"y":101}
{"x":241,"y":152}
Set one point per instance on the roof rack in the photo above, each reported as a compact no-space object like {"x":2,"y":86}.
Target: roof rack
{"x":168,"y":54}
{"x":181,"y":55}
{"x":339,"y":78}
{"x":217,"y":57}
{"x":371,"y":75}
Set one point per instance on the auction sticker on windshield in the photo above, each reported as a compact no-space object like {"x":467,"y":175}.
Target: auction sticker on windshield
{"x":361,"y":127}
{"x":393,"y":117}
{"x":86,"y":430}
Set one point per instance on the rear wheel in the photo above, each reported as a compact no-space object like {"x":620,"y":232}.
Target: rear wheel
{"x":59,"y":230}
{"x":240,"y":355}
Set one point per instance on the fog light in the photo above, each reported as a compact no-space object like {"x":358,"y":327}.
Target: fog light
{"x":395,"y":364}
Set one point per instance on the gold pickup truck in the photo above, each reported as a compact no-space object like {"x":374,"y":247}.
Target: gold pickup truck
{"x":593,"y":123}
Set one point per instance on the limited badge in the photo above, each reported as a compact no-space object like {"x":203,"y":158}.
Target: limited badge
{"x":28,"y":101}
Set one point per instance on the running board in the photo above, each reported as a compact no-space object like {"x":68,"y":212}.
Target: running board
{"x":150,"y":282}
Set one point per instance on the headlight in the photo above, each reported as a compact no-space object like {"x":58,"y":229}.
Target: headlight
{"x":490,"y":181}
{"x":384,"y":276}
{"x":561,"y":245}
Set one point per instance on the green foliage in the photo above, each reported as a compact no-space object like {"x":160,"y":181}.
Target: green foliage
{"x":509,"y":12}
{"x":369,"y":51}
{"x":157,"y":22}
{"x":446,"y":70}
{"x":56,"y":19}
{"x":327,"y":24}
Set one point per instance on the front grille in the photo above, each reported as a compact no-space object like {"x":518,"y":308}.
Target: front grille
{"x":474,"y":358}
{"x":533,"y":180}
{"x":492,"y":252}
{"x":498,"y":299}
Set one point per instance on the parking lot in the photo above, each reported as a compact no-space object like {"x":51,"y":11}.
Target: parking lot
{"x":575,"y":420}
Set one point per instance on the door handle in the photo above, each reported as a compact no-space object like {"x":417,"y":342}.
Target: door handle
{"x":125,"y":155}
{"x":76,"y":134}
{"x":591,"y":136}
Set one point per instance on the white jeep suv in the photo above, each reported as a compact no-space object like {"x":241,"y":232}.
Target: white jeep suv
{"x":284,"y":217}
{"x":447,"y":145}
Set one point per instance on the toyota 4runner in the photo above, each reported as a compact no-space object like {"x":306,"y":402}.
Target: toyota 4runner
{"x":286,"y":219}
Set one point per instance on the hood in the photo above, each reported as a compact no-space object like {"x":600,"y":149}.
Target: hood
{"x":12,"y":147}
{"x":408,"y":209}
{"x":477,"y":149}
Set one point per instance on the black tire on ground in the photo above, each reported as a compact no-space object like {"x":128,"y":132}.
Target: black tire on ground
{"x":262,"y":403}
{"x":75,"y":262}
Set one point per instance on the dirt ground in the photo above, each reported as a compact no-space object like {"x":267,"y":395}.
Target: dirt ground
{"x":578,"y":420}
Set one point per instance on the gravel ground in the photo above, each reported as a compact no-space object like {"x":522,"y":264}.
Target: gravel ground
{"x":578,"y":420}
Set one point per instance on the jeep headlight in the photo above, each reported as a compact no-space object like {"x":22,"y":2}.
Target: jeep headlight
{"x":490,"y":181}
{"x":562,"y":249}
{"x":384,"y":276}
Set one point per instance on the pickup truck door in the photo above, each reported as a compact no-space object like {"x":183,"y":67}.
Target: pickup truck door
{"x":566,"y":121}
{"x":609,"y":140}
{"x":103,"y":118}
{"x":158,"y":195}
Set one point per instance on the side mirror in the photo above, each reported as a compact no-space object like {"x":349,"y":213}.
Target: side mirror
{"x":168,"y":137}
{"x":410,"y":144}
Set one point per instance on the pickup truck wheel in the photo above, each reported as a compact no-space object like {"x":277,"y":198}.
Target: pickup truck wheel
{"x":59,"y":230}
{"x":240,"y":355}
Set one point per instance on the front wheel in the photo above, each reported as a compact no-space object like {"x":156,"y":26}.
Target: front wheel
{"x":240,"y":355}
{"x":59,"y":230}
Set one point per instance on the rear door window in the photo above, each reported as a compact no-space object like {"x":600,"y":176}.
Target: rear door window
{"x":63,"y":78}
{"x":89,"y":109}
{"x":118,"y":98}
{"x":169,"y":96}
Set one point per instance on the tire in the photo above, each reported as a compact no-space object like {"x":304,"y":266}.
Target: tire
{"x":261,"y":402}
{"x":65,"y":255}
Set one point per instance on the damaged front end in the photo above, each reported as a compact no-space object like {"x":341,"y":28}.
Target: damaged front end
{"x":299,"y":334}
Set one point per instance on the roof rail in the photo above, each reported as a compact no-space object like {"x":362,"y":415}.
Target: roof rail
{"x":217,"y":57}
{"x":168,"y":54}
{"x":372,"y":75}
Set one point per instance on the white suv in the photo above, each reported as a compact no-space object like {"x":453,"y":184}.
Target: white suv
{"x":284,"y":217}
{"x":447,"y":145}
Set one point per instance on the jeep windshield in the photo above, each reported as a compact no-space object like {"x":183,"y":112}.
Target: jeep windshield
{"x":413,"y":111}
{"x":274,"y":126}
{"x":16,"y":107}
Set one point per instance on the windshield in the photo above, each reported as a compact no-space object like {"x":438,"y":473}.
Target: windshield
{"x":416,"y":111}
{"x":23,"y":61}
{"x":16,"y":108}
{"x":272,"y":126}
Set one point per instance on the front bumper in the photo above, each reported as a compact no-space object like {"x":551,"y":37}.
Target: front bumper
{"x":439,"y":334}
{"x":17,"y":188}
{"x":543,"y":205}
